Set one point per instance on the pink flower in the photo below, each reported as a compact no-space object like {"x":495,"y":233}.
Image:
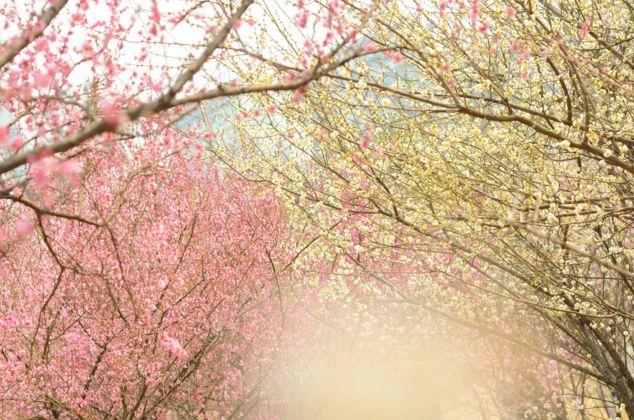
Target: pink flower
{"x":369,"y":47}
{"x":41,"y":79}
{"x":174,"y":346}
{"x":42,"y":45}
{"x":510,"y":12}
{"x":23,"y":228}
{"x":475,"y":12}
{"x":4,"y":135}
{"x":328,"y":39}
{"x":299,"y":93}
{"x":395,"y":56}
{"x":367,"y":138}
{"x":111,"y":114}
{"x":15,"y":145}
{"x":156,"y":16}
{"x":155,"y":86}
{"x":308,"y":47}
{"x":585,"y":28}
{"x":72,"y":169}
{"x":333,"y":8}
{"x":42,"y":169}
{"x":302,"y":19}
{"x":516,"y":46}
{"x":271,"y":110}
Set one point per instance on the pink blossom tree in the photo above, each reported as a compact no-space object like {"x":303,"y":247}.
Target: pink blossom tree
{"x":161,"y":296}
